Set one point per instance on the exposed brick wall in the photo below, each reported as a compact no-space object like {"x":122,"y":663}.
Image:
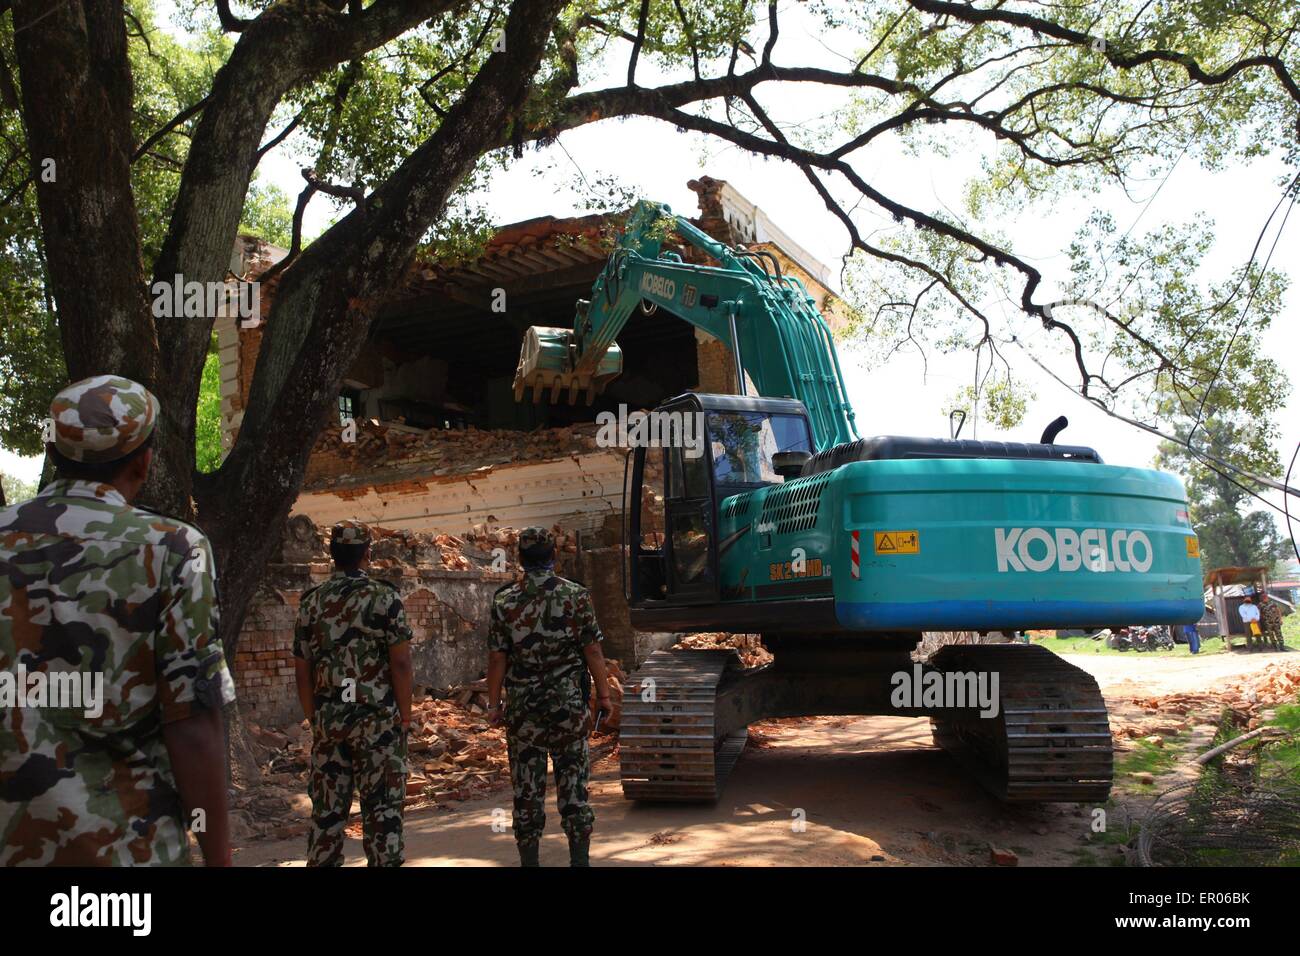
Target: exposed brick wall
{"x":329,"y":462}
{"x":716,"y":365}
{"x":263,"y":668}
{"x":447,"y":611}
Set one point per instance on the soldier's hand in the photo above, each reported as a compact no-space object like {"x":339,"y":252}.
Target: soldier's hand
{"x":494,"y":715}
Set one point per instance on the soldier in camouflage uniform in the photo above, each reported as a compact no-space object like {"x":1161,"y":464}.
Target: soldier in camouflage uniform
{"x":353,"y":664}
{"x":95,"y":590}
{"x":542,"y":642}
{"x":1270,"y":620}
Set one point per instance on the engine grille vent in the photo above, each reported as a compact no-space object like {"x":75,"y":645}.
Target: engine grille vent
{"x":793,"y":506}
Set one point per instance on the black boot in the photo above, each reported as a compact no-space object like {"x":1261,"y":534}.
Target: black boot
{"x":578,"y":848}
{"x":528,"y":854}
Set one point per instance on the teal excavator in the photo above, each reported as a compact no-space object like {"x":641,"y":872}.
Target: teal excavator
{"x":764,"y":512}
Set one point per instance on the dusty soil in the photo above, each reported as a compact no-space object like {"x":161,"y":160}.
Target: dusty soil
{"x":1118,"y":675}
{"x":824,"y":792}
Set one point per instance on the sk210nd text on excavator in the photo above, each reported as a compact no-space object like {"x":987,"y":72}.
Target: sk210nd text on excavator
{"x":842,"y":550}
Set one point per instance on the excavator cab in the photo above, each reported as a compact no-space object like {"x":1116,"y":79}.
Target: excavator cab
{"x":698,"y":451}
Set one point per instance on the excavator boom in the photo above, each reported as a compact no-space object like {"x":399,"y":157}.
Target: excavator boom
{"x":778,"y":338}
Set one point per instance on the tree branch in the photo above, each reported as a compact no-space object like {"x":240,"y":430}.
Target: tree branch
{"x":229,"y":22}
{"x":288,"y":44}
{"x":175,"y":121}
{"x":637,"y":41}
{"x":314,"y":185}
{"x":1113,"y":52}
{"x":281,"y":136}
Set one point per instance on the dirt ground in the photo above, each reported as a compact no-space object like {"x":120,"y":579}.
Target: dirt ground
{"x":815,"y":792}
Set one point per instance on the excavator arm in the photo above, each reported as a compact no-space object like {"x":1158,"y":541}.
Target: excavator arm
{"x":777,"y":336}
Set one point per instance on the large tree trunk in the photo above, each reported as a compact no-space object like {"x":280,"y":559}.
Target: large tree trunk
{"x":77,"y":100}
{"x":324,"y":307}
{"x":76,"y":90}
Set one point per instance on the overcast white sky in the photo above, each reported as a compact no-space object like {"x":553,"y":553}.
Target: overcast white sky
{"x":899,"y":398}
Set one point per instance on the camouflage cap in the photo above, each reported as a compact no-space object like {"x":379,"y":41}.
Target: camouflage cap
{"x":102,"y":419}
{"x":349,"y":532}
{"x":534,"y":536}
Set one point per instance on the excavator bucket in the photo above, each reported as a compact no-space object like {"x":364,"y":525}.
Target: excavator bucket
{"x":546,"y":363}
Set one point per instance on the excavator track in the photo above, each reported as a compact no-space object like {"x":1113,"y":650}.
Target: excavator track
{"x":1051,"y":740}
{"x":668,"y":745}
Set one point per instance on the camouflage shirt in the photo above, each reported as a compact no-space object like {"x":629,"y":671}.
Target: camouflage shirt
{"x":542,"y":624}
{"x":1270,"y":616}
{"x":345,"y":628}
{"x":92,"y":591}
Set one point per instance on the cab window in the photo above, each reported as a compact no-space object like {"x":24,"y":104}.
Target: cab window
{"x":743,"y":443}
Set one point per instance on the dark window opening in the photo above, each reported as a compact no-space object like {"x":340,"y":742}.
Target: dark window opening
{"x":349,"y":401}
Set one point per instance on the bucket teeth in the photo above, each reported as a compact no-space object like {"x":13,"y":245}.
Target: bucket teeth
{"x":559,"y":385}
{"x":547,"y":361}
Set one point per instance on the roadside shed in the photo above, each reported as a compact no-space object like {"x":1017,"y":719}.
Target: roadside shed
{"x":1226,"y":587}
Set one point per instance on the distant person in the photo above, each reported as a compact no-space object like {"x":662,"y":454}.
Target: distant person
{"x":1250,"y":617}
{"x":1270,"y":619}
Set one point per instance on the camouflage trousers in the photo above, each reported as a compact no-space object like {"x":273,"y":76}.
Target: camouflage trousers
{"x":528,"y":776}
{"x":369,"y":756}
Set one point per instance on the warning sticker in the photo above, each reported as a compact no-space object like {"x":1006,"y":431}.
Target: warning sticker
{"x":898,"y":542}
{"x":1193,"y":548}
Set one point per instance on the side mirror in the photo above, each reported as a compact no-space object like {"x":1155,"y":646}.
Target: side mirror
{"x":789,"y":464}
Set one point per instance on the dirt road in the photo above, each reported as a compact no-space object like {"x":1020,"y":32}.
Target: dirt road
{"x":812,"y":791}
{"x":1128,"y":673}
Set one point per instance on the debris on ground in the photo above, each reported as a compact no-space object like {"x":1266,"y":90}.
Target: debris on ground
{"x":616,"y":678}
{"x":1001,"y":857}
{"x":749,"y":646}
{"x":1241,"y":699}
{"x":453,"y":755}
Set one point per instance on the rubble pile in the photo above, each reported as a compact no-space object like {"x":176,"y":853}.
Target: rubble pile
{"x":1243,"y":699}
{"x":617,"y":677}
{"x":453,"y":450}
{"x":748,"y":646}
{"x":401,"y":548}
{"x":453,"y":754}
{"x":484,"y":548}
{"x":1275,"y":684}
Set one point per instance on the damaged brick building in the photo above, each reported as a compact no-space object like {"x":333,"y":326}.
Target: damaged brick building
{"x":442,"y":456}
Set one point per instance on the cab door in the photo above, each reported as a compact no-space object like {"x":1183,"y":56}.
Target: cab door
{"x":690,"y":525}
